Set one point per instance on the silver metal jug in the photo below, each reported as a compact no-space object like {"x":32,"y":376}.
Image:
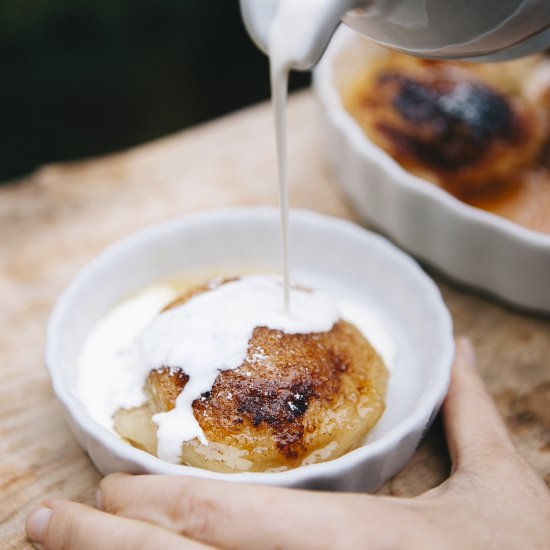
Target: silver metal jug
{"x":483,"y":30}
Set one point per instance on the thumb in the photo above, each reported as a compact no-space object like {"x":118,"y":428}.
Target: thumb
{"x":473,"y":426}
{"x":60,"y":524}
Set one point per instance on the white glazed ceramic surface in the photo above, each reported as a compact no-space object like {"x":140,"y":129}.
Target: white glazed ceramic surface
{"x":328,"y":253}
{"x":468,"y":244}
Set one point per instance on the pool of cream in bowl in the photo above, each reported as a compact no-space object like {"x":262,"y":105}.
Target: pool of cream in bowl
{"x":328,"y":254}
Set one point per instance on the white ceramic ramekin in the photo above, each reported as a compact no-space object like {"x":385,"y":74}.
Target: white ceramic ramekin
{"x":327,"y":253}
{"x":468,"y":244}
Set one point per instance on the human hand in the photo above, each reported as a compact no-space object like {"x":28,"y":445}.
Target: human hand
{"x":493,"y":499}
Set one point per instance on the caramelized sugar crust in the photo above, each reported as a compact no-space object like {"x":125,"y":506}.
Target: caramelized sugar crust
{"x":463,"y":126}
{"x":297,"y":398}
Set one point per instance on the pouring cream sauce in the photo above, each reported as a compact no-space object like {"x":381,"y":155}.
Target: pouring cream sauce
{"x":293,"y":34}
{"x":210,"y":332}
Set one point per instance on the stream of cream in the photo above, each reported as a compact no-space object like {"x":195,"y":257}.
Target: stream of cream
{"x":295,"y":27}
{"x":210,"y":332}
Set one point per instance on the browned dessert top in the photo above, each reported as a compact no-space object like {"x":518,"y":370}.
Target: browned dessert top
{"x":273,"y":389}
{"x":479,"y":130}
{"x":448,"y":123}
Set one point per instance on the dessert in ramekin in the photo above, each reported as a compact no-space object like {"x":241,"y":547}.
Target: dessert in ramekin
{"x":405,"y":321}
{"x":411,"y":199}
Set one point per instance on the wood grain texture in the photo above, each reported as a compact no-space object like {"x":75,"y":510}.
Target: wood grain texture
{"x":53,"y":222}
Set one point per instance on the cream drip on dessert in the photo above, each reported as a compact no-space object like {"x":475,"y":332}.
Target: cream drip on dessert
{"x":210,"y":333}
{"x":204,"y":336}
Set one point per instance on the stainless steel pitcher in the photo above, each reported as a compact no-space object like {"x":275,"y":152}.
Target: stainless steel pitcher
{"x":483,"y":30}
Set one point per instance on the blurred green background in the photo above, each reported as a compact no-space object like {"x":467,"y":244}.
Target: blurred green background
{"x":86,"y":77}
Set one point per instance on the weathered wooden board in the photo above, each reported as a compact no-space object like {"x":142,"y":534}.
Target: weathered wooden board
{"x":56,"y":220}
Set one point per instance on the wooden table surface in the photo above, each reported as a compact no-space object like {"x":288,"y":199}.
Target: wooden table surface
{"x":54,"y":221}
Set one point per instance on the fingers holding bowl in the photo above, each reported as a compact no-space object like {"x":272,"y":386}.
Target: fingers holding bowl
{"x":473,"y":425}
{"x":232,"y":515}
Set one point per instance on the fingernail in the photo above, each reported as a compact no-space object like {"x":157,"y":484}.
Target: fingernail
{"x":36,"y":525}
{"x":99,"y":499}
{"x":466,"y":351}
